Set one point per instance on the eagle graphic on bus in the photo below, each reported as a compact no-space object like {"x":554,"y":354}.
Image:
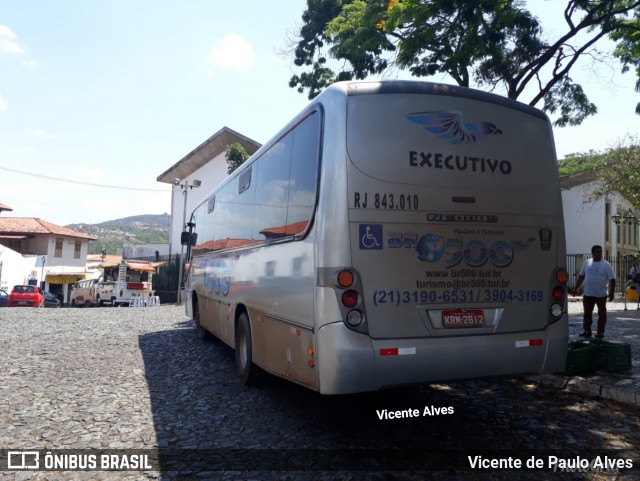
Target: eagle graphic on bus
{"x":449,"y":126}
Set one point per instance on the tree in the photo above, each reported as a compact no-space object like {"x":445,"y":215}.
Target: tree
{"x":235,"y":154}
{"x":493,"y":44}
{"x":581,"y":162}
{"x":620,"y":171}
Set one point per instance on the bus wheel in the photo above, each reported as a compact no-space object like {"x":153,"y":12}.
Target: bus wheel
{"x":248,"y":372}
{"x":201,"y":332}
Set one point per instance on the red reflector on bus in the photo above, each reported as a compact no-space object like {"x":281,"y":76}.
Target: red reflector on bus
{"x":529,"y":343}
{"x":390,"y":351}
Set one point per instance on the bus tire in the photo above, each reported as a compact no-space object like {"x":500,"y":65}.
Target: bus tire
{"x":248,"y":372}
{"x":201,"y":332}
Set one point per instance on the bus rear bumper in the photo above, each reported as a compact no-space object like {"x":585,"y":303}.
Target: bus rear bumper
{"x":352,"y":362}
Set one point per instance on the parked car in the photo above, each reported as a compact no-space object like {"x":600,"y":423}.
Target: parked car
{"x":27,"y":296}
{"x":50,"y":300}
{"x":4,"y":298}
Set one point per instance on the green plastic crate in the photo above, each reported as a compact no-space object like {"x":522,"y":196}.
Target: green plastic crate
{"x":581,"y":359}
{"x":611,"y":355}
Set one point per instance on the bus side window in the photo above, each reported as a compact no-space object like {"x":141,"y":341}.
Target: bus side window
{"x":304,"y":174}
{"x":272,"y":191}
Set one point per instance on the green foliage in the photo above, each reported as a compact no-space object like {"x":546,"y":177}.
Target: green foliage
{"x":235,"y":154}
{"x":580,"y":162}
{"x":113,"y":234}
{"x":621,"y":171}
{"x":628,"y":48}
{"x":494,"y":44}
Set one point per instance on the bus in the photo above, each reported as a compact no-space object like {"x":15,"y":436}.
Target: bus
{"x":393,"y":233}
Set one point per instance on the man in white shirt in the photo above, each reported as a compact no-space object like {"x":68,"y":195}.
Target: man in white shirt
{"x":599,"y":283}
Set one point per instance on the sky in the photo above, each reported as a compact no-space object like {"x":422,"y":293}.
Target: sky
{"x":114,"y":93}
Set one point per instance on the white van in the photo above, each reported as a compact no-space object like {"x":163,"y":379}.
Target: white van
{"x":91,"y":292}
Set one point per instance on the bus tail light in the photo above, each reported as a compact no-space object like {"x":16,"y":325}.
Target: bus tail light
{"x":350,"y":298}
{"x":556,"y":310}
{"x":346,"y":278}
{"x":347,"y":286}
{"x":355,"y":318}
{"x":561,"y":276}
{"x":557,"y":293}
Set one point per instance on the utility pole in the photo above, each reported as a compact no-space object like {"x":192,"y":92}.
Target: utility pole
{"x":185,"y":187}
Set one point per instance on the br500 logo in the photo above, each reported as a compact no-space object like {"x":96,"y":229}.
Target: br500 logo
{"x":475,"y":253}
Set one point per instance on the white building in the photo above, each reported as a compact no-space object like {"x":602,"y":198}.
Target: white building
{"x":33,"y":250}
{"x":590,"y":220}
{"x":607,"y":221}
{"x":140,"y":251}
{"x":207,"y":165}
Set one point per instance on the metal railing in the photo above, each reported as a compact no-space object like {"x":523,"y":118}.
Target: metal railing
{"x":165,"y":280}
{"x":623,"y":266}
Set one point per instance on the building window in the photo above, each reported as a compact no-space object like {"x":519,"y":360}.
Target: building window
{"x":58,"y":252}
{"x":76,"y":251}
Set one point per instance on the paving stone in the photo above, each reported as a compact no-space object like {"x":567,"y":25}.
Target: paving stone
{"x":140,"y":379}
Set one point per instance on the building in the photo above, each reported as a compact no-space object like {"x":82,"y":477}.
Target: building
{"x":34,"y":251}
{"x":4,"y":207}
{"x":196,"y":175}
{"x":608,"y":221}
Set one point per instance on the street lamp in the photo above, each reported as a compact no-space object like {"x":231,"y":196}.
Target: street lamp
{"x":185,"y":187}
{"x":628,"y":218}
{"x":103,"y":253}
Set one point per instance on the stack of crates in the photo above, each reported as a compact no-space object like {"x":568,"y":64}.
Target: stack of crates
{"x":589,"y":355}
{"x":612,"y":355}
{"x":581,"y":359}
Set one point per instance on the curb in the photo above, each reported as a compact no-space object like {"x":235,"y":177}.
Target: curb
{"x":580,"y":385}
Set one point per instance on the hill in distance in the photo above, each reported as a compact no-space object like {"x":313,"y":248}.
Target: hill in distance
{"x":137,"y":229}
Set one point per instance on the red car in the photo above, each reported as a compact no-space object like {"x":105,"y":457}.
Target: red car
{"x":28,"y":296}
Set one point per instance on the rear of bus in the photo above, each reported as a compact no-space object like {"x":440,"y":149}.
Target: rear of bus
{"x":456,"y":238}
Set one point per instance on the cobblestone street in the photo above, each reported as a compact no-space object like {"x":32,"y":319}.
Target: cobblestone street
{"x":138,"y":378}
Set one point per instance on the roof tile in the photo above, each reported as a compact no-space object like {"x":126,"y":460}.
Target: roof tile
{"x":34,"y":225}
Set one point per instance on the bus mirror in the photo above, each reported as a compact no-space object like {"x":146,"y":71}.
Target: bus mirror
{"x":187,"y":238}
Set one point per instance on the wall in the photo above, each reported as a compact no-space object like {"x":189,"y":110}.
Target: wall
{"x":211,"y":174}
{"x":583,"y":219}
{"x":15,"y":268}
{"x":586,"y":221}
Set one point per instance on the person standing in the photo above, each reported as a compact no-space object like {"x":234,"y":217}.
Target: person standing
{"x":599,"y":283}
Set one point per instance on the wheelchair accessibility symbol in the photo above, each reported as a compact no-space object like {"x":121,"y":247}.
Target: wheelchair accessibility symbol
{"x":370,"y":236}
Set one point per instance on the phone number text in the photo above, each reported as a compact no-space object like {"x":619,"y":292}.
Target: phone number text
{"x":396,"y":297}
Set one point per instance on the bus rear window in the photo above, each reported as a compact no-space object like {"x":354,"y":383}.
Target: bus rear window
{"x":444,"y":140}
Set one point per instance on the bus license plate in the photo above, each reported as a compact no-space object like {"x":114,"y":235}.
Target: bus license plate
{"x":463,"y":318}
